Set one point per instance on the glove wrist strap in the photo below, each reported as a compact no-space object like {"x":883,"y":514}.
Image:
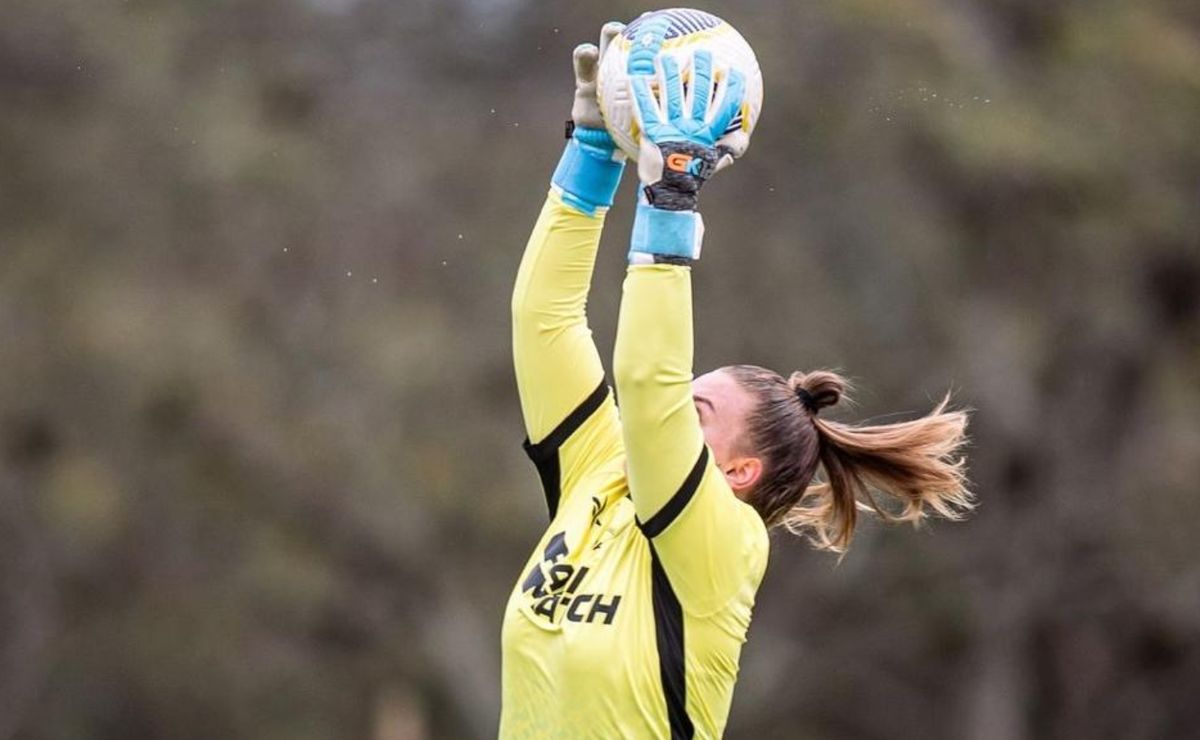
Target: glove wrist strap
{"x":589,"y":171}
{"x":661,"y":236}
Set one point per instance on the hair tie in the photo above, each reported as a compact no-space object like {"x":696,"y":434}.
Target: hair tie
{"x":807,"y":399}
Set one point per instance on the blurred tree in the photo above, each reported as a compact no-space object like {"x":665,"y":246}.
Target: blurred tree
{"x":261,"y":474}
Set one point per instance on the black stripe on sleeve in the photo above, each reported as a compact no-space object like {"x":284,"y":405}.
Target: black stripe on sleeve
{"x":655,"y":525}
{"x":668,"y":636}
{"x":544,"y":454}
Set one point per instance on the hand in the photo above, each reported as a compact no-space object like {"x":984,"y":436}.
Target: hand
{"x":590,"y":170}
{"x":682,"y":142}
{"x":585,"y":111}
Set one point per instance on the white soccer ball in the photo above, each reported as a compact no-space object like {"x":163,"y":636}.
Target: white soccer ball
{"x":688,"y":31}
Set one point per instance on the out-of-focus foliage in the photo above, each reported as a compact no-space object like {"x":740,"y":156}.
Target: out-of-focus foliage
{"x":261,"y":475}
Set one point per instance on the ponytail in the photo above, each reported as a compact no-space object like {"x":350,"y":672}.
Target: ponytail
{"x":900,"y":472}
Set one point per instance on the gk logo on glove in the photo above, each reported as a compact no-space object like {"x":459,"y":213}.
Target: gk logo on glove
{"x":685,"y":163}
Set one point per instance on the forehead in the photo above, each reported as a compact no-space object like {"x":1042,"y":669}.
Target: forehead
{"x":724,"y":392}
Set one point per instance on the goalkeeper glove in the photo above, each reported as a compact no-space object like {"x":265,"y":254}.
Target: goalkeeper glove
{"x":681,"y":147}
{"x":590,"y":169}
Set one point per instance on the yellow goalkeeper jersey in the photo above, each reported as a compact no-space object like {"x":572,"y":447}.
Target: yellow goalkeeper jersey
{"x":628,"y":618}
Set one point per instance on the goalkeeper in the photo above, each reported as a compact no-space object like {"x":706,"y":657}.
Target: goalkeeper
{"x":629,"y":617}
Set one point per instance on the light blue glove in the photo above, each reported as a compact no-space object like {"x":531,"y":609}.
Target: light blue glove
{"x":591,"y":166}
{"x":679,"y":147}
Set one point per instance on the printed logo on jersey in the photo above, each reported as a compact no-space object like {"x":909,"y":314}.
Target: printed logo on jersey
{"x":553,"y":586}
{"x":598,"y":507}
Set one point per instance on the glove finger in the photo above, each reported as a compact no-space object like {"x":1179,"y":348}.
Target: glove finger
{"x":649,"y":162}
{"x":734,"y":143}
{"x":672,"y":87}
{"x":722,"y":163}
{"x":611,"y":30}
{"x":586,"y":59}
{"x":701,"y":89}
{"x":645,"y":108}
{"x":734,"y":89}
{"x":651,"y":35}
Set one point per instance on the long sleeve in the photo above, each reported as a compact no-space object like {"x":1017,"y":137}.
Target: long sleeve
{"x":570,"y":417}
{"x":711,"y":544}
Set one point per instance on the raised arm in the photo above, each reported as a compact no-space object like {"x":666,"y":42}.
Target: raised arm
{"x":652,"y":365}
{"x":709,"y":543}
{"x":570,"y":418}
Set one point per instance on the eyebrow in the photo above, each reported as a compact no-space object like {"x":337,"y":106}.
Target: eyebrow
{"x":705,"y":401}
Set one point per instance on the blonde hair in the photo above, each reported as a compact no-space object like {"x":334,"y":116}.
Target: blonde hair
{"x":917,"y":466}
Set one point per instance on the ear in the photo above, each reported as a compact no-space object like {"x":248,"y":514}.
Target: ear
{"x":742,"y":473}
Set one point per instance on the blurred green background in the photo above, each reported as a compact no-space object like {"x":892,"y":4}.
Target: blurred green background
{"x":260,"y":471}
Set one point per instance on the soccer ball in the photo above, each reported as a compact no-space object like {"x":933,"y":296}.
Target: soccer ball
{"x":688,"y":31}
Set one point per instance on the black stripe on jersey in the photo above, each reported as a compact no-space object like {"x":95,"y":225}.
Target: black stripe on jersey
{"x":668,"y":636}
{"x":655,"y":525}
{"x":545,"y":453}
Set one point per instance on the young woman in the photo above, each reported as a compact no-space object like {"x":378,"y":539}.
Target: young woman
{"x":628,"y":619}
